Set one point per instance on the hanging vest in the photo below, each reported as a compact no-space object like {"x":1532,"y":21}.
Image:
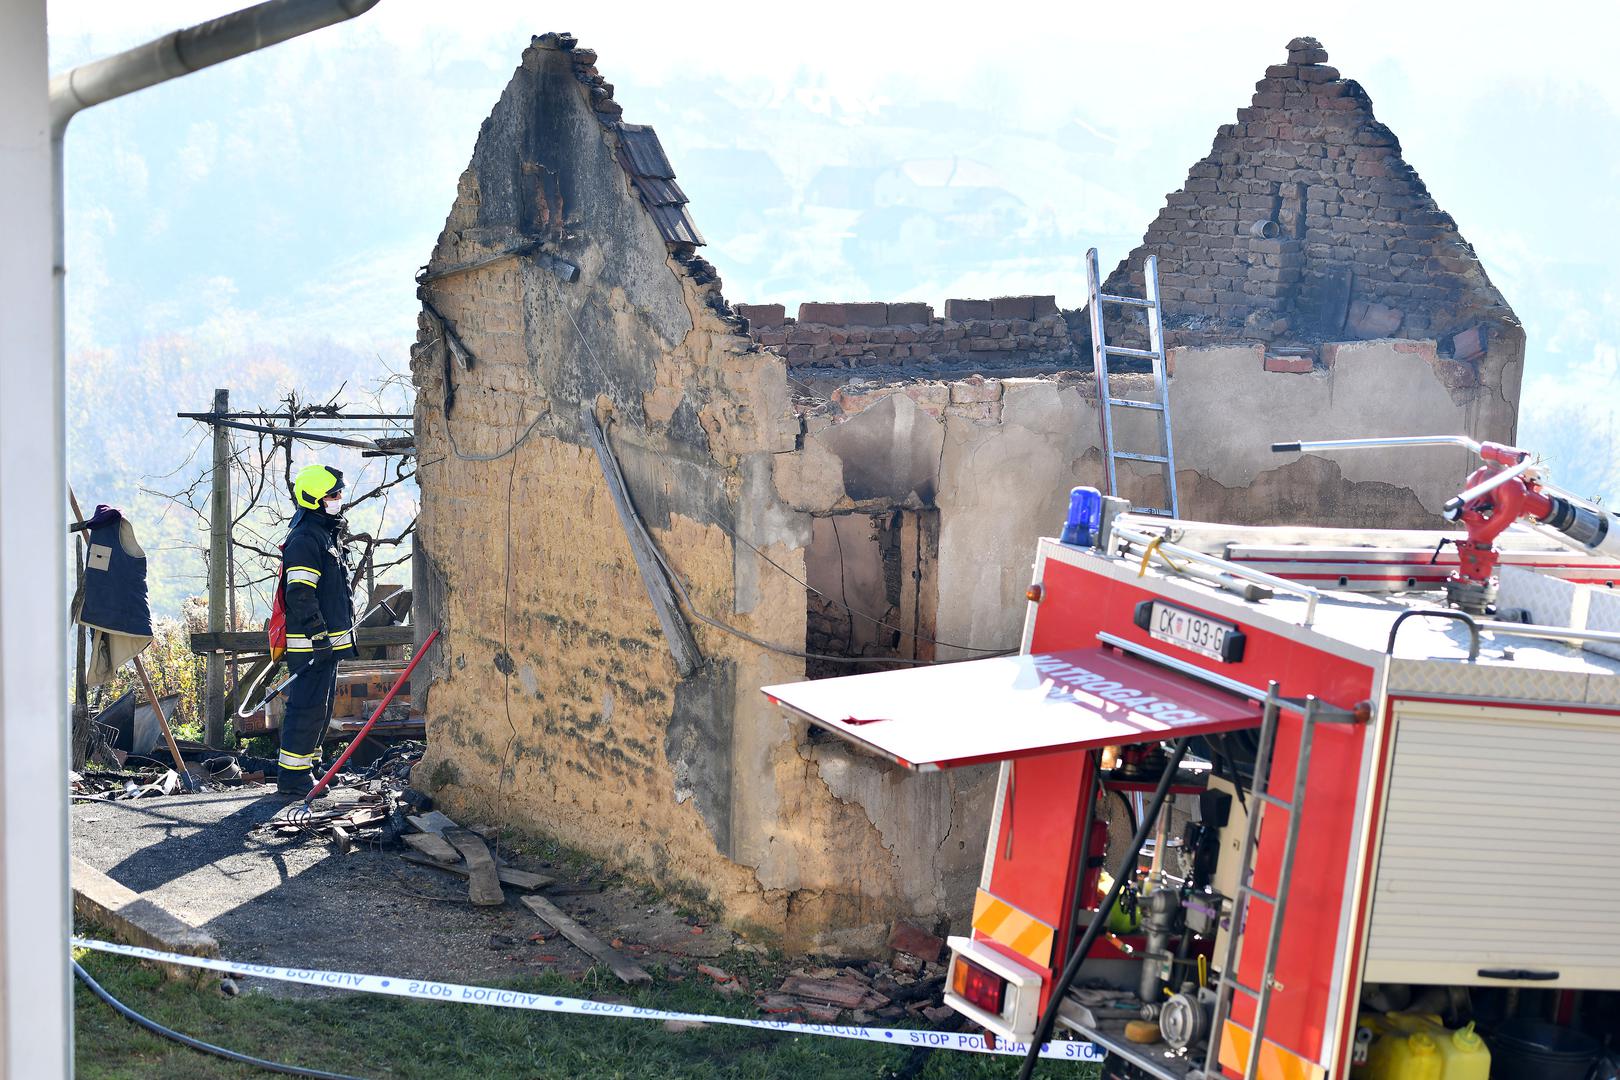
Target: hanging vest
{"x":115,"y":578}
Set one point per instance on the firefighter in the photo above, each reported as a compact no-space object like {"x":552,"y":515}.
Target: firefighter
{"x":320,"y":621}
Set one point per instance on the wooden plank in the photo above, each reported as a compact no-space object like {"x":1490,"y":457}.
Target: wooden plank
{"x":518,"y":879}
{"x":587,"y":941}
{"x":433,"y":846}
{"x":844,"y":994}
{"x":431,"y":822}
{"x":256,"y":641}
{"x":483,"y":884}
{"x":682,"y":646}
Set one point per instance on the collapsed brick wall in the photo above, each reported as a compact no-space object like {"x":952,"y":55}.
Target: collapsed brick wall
{"x":1304,"y":222}
{"x":1007,"y":330}
{"x":554,"y":703}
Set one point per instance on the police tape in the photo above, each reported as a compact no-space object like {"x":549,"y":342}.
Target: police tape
{"x":430,"y":990}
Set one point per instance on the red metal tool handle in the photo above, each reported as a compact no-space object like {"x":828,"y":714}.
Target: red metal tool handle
{"x":320,"y":785}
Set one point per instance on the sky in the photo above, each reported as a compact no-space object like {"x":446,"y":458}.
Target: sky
{"x":261,"y":220}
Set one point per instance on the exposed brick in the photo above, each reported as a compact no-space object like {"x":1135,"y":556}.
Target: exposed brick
{"x":866,"y":314}
{"x":1296,"y":365}
{"x":1456,"y":374}
{"x":910,"y":313}
{"x":808,"y":334}
{"x":1370,"y":320}
{"x":975,"y":388}
{"x":761,"y":315}
{"x":822,"y":313}
{"x":932,"y":398}
{"x":1012,"y":307}
{"x":854,"y":401}
{"x":963,"y":310}
{"x":1470,"y":343}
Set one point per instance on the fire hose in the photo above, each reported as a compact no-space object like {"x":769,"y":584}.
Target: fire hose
{"x":243,"y":711}
{"x":320,"y":785}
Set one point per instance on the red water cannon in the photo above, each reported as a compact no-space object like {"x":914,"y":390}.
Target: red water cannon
{"x":1508,"y":487}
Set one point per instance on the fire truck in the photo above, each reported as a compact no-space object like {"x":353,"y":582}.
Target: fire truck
{"x":1259,"y":784}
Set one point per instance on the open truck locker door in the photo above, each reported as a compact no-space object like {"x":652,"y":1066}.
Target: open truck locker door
{"x":1014,"y":707}
{"x":1042,"y":716}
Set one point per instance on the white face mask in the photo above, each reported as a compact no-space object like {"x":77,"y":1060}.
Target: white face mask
{"x":332,"y":504}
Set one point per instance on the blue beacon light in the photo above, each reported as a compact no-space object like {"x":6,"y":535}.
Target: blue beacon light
{"x":1085,"y":514}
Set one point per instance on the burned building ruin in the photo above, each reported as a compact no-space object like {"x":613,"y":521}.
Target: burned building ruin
{"x":862,"y":482}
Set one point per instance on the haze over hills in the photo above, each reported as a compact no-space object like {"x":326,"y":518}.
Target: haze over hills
{"x":256,"y":226}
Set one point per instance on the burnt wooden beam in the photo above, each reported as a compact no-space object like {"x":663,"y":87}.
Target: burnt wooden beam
{"x":683,"y":646}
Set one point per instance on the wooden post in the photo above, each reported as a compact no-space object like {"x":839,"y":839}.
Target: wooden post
{"x":163,"y":722}
{"x":219,"y":573}
{"x":683,"y":648}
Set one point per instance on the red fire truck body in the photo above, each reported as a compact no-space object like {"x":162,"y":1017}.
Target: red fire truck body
{"x":1386,"y":847}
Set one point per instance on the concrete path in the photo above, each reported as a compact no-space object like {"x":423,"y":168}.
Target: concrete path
{"x":296,"y":901}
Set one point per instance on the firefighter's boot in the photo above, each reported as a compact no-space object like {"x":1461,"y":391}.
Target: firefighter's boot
{"x":300,"y":748}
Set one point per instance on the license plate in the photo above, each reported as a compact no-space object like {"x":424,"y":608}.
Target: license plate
{"x":1192,"y":631}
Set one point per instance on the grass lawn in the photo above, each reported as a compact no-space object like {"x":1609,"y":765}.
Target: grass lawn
{"x":369,"y":1036}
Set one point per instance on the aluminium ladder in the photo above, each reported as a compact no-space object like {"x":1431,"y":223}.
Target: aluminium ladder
{"x":1107,"y":402}
{"x":1313,"y":713}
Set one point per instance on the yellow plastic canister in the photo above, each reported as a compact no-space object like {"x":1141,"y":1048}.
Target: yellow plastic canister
{"x":1401,"y":1056}
{"x":1369,"y":1029}
{"x":1465,"y":1055}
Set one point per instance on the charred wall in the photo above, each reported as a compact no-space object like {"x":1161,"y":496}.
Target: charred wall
{"x":566,"y":279}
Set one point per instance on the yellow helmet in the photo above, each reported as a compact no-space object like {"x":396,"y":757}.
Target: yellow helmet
{"x":314,"y":483}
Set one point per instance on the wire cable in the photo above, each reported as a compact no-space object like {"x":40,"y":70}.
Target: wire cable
{"x":675,"y":579}
{"x":197,"y":1044}
{"x":772,"y":646}
{"x":853,"y":611}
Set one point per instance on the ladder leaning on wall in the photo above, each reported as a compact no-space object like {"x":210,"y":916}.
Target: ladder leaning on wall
{"x":1154,"y":353}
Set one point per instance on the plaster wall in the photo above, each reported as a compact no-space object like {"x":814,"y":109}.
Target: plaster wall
{"x":554,"y":704}
{"x":1001,"y":481}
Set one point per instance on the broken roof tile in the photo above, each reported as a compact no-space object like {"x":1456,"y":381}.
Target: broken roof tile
{"x":643,"y":159}
{"x":645,"y":153}
{"x":658,"y":191}
{"x":676,"y":225}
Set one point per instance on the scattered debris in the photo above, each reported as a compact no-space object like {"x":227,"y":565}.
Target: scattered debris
{"x":110,"y":784}
{"x":906,"y":938}
{"x":584,"y":939}
{"x":432,"y":822}
{"x":483,"y":884}
{"x":849,"y":991}
{"x":518,"y":879}
{"x":433,"y":846}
